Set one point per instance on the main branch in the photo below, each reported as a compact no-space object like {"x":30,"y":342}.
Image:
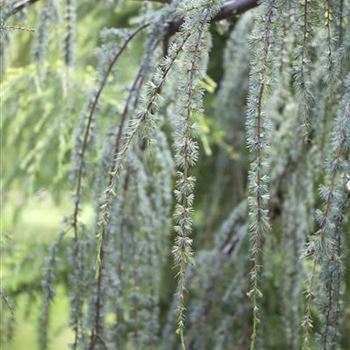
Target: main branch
{"x":228,"y":9}
{"x":18,"y":6}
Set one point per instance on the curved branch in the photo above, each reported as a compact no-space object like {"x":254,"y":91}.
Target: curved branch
{"x":235,"y":7}
{"x":229,"y":9}
{"x":18,"y":6}
{"x":89,"y":123}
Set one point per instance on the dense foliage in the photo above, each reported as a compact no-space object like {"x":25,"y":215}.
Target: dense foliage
{"x":198,"y":153}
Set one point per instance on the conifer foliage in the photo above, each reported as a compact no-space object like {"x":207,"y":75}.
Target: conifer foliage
{"x":207,"y":147}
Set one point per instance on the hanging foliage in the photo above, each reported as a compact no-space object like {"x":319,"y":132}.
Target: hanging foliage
{"x":198,"y":152}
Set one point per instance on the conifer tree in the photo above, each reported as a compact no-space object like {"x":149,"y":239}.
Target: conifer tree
{"x":198,"y":152}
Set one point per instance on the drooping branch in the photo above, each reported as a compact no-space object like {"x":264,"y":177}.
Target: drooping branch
{"x":150,"y":104}
{"x":93,"y":108}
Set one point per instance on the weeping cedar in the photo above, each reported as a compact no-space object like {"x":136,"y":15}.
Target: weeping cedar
{"x":219,"y":214}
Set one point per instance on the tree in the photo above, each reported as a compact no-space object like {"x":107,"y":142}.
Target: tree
{"x":210,"y":202}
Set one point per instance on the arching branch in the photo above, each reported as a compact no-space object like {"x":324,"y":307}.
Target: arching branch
{"x":18,"y":6}
{"x":235,"y":7}
{"x":229,"y":9}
